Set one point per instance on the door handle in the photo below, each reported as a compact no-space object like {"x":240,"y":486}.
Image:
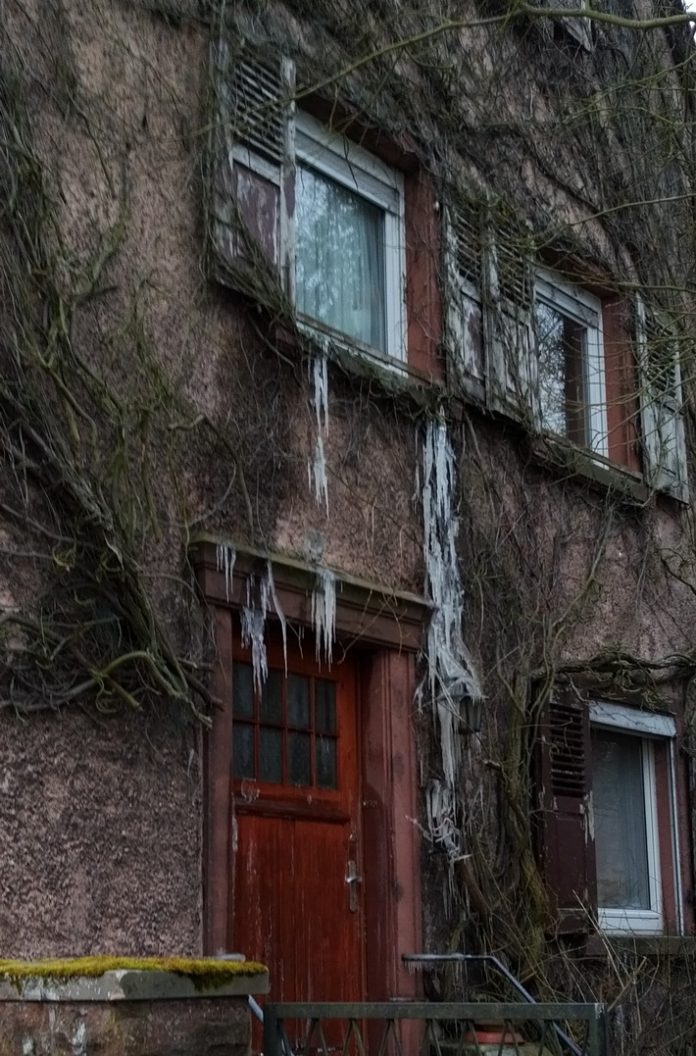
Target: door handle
{"x":352,"y":880}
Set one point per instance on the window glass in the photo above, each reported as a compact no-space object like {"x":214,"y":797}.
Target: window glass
{"x":340,"y":271}
{"x":298,"y":701}
{"x":620,"y":824}
{"x":271,"y":755}
{"x":243,"y":751}
{"x":271,"y":699}
{"x":286,"y":733}
{"x":242,"y":691}
{"x":299,"y":759}
{"x":562,"y":348}
{"x":325,"y":693}
{"x":326,"y":762}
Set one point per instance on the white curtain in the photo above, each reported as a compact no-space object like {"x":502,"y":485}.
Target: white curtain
{"x":620,"y":825}
{"x":340,"y":259}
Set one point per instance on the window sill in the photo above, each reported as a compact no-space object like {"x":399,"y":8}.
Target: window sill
{"x":567,"y":458}
{"x":673,"y":946}
{"x":391,"y":377}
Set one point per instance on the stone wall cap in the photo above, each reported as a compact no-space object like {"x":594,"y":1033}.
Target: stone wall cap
{"x":129,"y":979}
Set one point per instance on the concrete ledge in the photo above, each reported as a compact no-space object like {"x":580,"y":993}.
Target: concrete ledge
{"x":119,"y":979}
{"x":125,"y":1007}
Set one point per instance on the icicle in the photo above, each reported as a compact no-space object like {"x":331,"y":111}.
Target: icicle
{"x":441,"y":816}
{"x":225,"y":558}
{"x":320,"y":396}
{"x":259,"y":595}
{"x":279,"y":612}
{"x":316,"y":466}
{"x":253,"y":620}
{"x":450,"y":676}
{"x":318,"y":482}
{"x":324,"y":613}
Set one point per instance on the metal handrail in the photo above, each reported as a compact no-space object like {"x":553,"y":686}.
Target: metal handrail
{"x":490,"y":958}
{"x":316,"y":1013}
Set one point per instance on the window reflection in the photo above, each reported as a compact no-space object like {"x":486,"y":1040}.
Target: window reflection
{"x":340,"y":270}
{"x":563,"y":382}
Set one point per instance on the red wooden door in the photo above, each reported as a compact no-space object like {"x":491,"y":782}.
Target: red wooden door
{"x":296,"y":784}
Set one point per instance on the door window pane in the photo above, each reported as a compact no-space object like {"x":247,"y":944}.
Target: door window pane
{"x":242,"y":691}
{"x":298,"y":758}
{"x":271,"y":698}
{"x":340,"y":271}
{"x":271,"y":755}
{"x":620,"y":823}
{"x":298,"y":701}
{"x":243,"y":751}
{"x":326,"y":762}
{"x":325,"y":698}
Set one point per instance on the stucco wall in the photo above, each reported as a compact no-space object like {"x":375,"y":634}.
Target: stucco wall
{"x":99,"y":835}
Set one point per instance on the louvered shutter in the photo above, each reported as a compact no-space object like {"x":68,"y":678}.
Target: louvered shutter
{"x":580,"y":29}
{"x":567,"y":828}
{"x":662,"y":422}
{"x":508,"y":317}
{"x":464,"y":271}
{"x":250,"y":221}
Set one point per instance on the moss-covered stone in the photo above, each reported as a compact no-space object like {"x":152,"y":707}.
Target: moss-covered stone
{"x":204,"y":972}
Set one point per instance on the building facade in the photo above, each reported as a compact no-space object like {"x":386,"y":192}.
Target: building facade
{"x":348,"y":557}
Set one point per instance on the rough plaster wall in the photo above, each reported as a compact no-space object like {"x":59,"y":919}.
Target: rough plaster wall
{"x":147,"y":78}
{"x":99,"y":836}
{"x":156,"y":111}
{"x":100,"y":821}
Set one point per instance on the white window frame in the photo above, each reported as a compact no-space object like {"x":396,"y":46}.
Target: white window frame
{"x":362,"y":173}
{"x":647,"y":727}
{"x":584,"y":308}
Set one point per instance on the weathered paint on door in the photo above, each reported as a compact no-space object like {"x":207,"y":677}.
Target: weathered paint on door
{"x":296,"y":785}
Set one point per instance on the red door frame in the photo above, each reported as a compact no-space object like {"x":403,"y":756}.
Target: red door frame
{"x":391,"y":838}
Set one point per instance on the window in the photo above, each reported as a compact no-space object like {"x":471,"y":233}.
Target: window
{"x":662,"y":421}
{"x":625,"y":794}
{"x":601,"y":373}
{"x":349,"y":240}
{"x":286,"y":732}
{"x":352,"y":242}
{"x":609,"y":792}
{"x":570,"y":356}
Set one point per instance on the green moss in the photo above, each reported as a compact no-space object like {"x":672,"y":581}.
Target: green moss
{"x":205,"y":973}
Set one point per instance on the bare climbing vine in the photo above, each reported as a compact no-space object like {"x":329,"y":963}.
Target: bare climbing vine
{"x":120,"y":437}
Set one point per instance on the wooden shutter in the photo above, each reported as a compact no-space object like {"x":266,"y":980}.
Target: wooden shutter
{"x":508,"y":317}
{"x":464,"y":336}
{"x":250,"y":219}
{"x":567,"y":828}
{"x":662,"y":422}
{"x":580,"y":29}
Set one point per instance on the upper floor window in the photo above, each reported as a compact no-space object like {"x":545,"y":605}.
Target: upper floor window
{"x":303,"y":218}
{"x":571,"y":367}
{"x":349,"y":240}
{"x":600,"y":371}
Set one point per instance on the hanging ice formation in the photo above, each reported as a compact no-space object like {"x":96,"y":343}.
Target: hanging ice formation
{"x":324,"y":614}
{"x":450,"y":676}
{"x":259,"y":592}
{"x":225,"y":558}
{"x":316,"y":466}
{"x":441,"y":815}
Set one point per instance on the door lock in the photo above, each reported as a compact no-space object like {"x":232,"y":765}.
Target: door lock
{"x":353,"y":879}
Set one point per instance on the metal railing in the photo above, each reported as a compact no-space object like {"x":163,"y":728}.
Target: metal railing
{"x":437,"y":960}
{"x":404,"y":1028}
